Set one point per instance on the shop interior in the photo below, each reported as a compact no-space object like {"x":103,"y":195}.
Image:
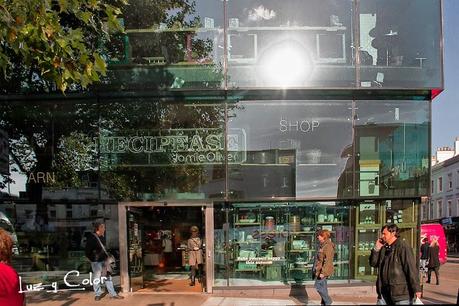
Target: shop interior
{"x":158,"y":253}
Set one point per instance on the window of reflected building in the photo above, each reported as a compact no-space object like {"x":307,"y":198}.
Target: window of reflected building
{"x":290,"y":44}
{"x":394,"y":52}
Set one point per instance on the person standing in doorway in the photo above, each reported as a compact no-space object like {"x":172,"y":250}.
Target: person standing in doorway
{"x":324,"y":265}
{"x":398,"y":277}
{"x":194,"y":247}
{"x":167,"y":247}
{"x":9,"y":279}
{"x":433,"y":260}
{"x":97,"y":254}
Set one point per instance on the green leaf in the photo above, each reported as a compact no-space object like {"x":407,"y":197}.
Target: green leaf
{"x":63,"y":4}
{"x":38,"y":36}
{"x":67,"y":74}
{"x":99,"y":64}
{"x":85,"y":16}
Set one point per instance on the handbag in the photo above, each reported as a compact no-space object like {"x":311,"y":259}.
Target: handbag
{"x":110,"y":262}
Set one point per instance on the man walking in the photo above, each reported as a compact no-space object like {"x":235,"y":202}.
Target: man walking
{"x":398,"y":278}
{"x":424,"y":253}
{"x":96,"y":253}
{"x":324,"y":265}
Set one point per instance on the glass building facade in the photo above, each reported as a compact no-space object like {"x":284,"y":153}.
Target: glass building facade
{"x":274,"y":119}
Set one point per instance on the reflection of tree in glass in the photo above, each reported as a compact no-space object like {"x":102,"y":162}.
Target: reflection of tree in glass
{"x":50,"y":138}
{"x":177,"y":23}
{"x":146,"y":115}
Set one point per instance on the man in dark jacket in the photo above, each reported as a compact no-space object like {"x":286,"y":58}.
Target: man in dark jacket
{"x":96,"y":253}
{"x":398,"y":278}
{"x":424,"y":253}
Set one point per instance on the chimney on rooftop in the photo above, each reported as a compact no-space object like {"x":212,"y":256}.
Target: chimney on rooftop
{"x":444,"y":153}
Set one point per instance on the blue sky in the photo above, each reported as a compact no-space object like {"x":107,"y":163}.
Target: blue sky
{"x":445,"y":108}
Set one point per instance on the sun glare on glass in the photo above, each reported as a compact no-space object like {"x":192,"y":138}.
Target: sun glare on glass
{"x":285,"y":65}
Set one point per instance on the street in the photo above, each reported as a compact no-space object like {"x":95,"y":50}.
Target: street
{"x":447,"y":291}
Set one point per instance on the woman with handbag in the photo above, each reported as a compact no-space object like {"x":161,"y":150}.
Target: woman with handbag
{"x":194,"y":247}
{"x":101,"y":262}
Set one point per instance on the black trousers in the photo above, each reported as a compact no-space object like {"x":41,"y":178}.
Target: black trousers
{"x":196,"y":271}
{"x":437,"y":273}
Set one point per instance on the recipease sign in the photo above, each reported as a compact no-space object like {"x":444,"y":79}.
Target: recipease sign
{"x":172,"y":147}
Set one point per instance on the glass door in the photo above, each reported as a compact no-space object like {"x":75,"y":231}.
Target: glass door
{"x":163,"y":254}
{"x":135,"y":254}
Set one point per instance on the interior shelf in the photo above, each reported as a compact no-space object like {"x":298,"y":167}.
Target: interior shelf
{"x":285,"y":233}
{"x":302,"y":251}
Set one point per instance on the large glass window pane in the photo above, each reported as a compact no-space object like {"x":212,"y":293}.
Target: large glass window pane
{"x":258,"y":238}
{"x":290,"y":43}
{"x":392,"y":141}
{"x":287,"y":150}
{"x":400,"y":44}
{"x":170,"y":44}
{"x":51,"y":187}
{"x":48,"y":251}
{"x":162,"y":150}
{"x":276,"y":243}
{"x":305,"y":219}
{"x":369,"y":218}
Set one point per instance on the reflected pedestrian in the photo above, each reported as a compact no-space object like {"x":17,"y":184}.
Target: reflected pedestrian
{"x":9,"y":279}
{"x":324,"y":265}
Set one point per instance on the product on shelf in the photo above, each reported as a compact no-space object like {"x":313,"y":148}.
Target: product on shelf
{"x":269,"y":223}
{"x":295,"y":224}
{"x":279,"y":249}
{"x":299,"y":245}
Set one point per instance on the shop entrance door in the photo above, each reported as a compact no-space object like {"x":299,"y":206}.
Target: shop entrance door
{"x":155,"y":253}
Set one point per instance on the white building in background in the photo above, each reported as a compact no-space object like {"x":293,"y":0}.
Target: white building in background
{"x":444,"y":201}
{"x":443,"y":206}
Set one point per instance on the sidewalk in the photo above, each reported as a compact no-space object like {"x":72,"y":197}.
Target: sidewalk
{"x":349,"y":295}
{"x":192,"y":299}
